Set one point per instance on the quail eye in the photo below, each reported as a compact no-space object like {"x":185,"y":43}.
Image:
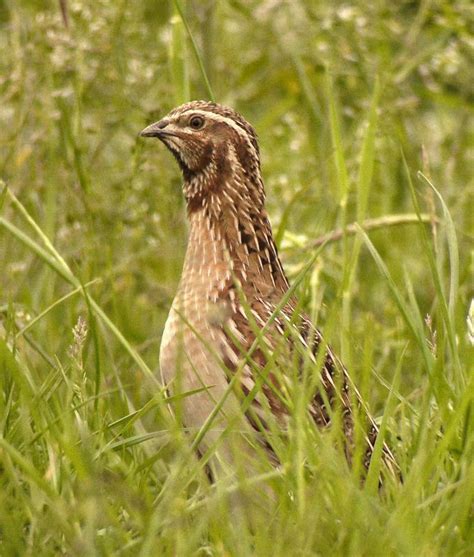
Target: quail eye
{"x":196,"y":122}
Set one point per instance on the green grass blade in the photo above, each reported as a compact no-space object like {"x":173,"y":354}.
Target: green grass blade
{"x":196,"y":51}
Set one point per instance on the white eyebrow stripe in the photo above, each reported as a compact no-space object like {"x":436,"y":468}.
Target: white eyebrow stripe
{"x":225,"y":120}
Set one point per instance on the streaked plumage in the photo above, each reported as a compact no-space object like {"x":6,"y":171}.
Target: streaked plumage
{"x":231,"y":285}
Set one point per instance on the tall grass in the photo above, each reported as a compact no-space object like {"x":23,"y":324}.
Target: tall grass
{"x":362,"y":113}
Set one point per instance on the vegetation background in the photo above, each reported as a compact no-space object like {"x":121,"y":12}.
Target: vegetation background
{"x":364,"y":111}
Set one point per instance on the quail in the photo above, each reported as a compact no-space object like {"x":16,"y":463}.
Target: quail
{"x":235,"y":332}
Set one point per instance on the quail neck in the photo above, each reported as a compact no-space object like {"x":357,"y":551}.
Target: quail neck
{"x":218,"y":153}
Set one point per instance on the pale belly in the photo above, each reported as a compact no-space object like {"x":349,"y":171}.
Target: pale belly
{"x":191,"y":359}
{"x":192,"y":355}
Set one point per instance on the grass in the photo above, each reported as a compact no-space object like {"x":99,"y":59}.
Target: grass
{"x":363,"y":114}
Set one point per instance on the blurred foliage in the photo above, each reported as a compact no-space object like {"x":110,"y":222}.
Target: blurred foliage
{"x":80,"y":78}
{"x":75,"y":92}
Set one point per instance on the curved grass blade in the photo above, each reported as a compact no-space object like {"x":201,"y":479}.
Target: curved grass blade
{"x":196,"y":51}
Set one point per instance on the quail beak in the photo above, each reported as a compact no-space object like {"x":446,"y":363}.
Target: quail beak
{"x":156,"y":130}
